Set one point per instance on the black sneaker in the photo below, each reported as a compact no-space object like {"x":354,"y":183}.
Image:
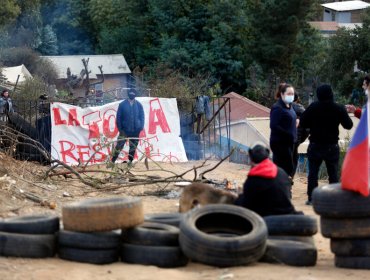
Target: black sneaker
{"x":309,"y":202}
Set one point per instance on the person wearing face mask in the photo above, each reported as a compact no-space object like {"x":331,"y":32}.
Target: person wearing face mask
{"x":323,"y":118}
{"x":283,"y":125}
{"x":6,"y":105}
{"x":357,"y":111}
{"x":130,"y":122}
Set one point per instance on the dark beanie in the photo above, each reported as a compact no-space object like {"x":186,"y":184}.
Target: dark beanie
{"x":258,"y":152}
{"x":325,"y":93}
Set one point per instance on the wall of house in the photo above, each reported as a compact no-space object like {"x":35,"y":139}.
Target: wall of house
{"x":357,"y":16}
{"x":328,"y":14}
{"x":343,"y":17}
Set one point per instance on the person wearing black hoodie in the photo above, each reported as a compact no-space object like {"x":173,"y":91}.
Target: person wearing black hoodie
{"x":267,"y":188}
{"x":323,"y":118}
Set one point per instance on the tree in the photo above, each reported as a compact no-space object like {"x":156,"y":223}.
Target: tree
{"x":276,"y":26}
{"x":9,"y":10}
{"x":49,"y":42}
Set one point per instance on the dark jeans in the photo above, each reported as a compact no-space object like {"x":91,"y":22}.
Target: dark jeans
{"x":121,"y":142}
{"x":316,"y":154}
{"x":282,"y":156}
{"x":295,"y":158}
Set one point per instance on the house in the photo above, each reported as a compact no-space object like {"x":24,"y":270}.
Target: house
{"x":330,"y":28}
{"x":345,"y":11}
{"x":71,"y":76}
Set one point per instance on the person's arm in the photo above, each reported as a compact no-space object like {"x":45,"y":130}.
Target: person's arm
{"x":357,"y":111}
{"x":345,"y":121}
{"x":304,"y":121}
{"x":118,"y":118}
{"x":141,"y":116}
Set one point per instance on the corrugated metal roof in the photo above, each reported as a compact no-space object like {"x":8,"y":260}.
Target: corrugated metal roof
{"x":242,"y":107}
{"x":346,"y":6}
{"x":112,"y":64}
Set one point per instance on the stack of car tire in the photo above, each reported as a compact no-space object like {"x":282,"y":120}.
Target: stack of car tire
{"x":92,"y":228}
{"x":345,"y":219}
{"x":29,"y":236}
{"x":290,"y":240}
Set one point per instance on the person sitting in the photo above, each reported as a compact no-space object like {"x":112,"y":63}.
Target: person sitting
{"x":267,"y":188}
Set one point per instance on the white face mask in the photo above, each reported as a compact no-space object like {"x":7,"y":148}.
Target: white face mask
{"x":288,"y":99}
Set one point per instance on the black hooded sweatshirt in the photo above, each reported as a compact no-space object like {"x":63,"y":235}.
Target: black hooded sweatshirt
{"x":323,"y":118}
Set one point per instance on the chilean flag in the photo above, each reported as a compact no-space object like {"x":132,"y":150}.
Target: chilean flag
{"x":355,"y":169}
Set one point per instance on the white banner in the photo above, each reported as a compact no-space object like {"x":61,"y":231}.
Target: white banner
{"x":89,"y":134}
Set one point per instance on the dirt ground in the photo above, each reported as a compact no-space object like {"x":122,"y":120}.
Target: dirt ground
{"x":25,"y":178}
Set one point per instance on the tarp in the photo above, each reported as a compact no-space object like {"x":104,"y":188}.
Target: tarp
{"x":80,"y":134}
{"x":11,"y":73}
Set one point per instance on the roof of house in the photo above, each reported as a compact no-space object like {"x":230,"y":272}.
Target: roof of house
{"x":242,"y":107}
{"x":262,"y":126}
{"x":112,"y":64}
{"x":346,"y":6}
{"x":11,"y":73}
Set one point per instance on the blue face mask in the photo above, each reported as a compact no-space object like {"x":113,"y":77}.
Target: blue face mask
{"x":131,"y":96}
{"x":288,"y":99}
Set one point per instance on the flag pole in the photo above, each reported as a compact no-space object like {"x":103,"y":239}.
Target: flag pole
{"x":368,"y":138}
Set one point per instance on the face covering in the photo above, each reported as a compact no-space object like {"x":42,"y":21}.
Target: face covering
{"x":131,"y":96}
{"x":288,"y":99}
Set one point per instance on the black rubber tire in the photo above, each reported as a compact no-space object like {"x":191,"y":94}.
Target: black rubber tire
{"x":89,"y":256}
{"x":152,"y":234}
{"x":352,"y":262}
{"x":350,"y":247}
{"x":27,"y":245}
{"x":103,"y":214}
{"x":84,"y":240}
{"x":333,"y":202}
{"x":223,"y":235}
{"x":304,"y":239}
{"x":345,"y":228}
{"x":161,"y":256}
{"x":172,"y":219}
{"x":288,"y":252}
{"x":33,"y":224}
{"x":291,"y":225}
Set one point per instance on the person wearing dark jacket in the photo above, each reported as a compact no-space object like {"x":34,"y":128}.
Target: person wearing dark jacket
{"x":130,"y":122}
{"x":302,"y":133}
{"x":323,"y":118}
{"x":267,"y":188}
{"x":283,"y":129}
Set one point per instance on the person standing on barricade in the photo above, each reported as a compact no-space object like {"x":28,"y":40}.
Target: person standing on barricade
{"x":130,"y":121}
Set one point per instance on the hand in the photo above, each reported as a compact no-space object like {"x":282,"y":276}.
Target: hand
{"x":350,"y":108}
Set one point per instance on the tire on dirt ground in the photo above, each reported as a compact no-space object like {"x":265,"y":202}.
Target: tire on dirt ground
{"x":352,"y":262}
{"x":27,"y":245}
{"x":291,"y":225}
{"x":223,"y":235}
{"x":345,"y":228}
{"x":102,"y":214}
{"x":89,"y":255}
{"x":350,"y":247}
{"x":94,"y":240}
{"x":161,"y":256}
{"x":304,"y":239}
{"x":288,"y":252}
{"x":172,"y":219}
{"x":152,"y":234}
{"x":333,"y":202}
{"x":32,"y":224}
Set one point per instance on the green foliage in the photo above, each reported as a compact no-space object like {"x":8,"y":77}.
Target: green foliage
{"x":49,"y":42}
{"x":9,"y":10}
